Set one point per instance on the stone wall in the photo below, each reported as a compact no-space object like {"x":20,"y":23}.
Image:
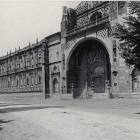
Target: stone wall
{"x":22,"y":96}
{"x":21,"y":71}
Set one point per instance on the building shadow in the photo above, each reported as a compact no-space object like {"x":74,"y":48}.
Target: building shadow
{"x":6,"y":104}
{"x":138,"y":113}
{"x":19,"y":109}
{"x":3,"y":121}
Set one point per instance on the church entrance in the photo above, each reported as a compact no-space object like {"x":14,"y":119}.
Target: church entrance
{"x":88,"y":64}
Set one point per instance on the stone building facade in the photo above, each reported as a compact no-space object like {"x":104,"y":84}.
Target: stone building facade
{"x":23,"y":70}
{"x":81,"y":61}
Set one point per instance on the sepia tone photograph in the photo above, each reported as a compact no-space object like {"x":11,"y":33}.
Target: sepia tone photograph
{"x":69,"y":70}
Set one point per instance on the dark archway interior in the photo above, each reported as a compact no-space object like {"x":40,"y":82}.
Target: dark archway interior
{"x":89,"y":63}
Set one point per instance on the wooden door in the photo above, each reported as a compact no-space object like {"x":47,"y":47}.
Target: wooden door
{"x":99,"y":84}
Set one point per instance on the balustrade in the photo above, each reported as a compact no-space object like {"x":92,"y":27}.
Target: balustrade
{"x":88,"y":25}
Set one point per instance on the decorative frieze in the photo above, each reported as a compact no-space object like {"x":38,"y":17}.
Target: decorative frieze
{"x":86,"y":5}
{"x":82,"y":7}
{"x":105,"y":10}
{"x":103,"y":33}
{"x":82,"y":21}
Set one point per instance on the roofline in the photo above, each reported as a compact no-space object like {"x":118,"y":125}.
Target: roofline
{"x":53,"y":34}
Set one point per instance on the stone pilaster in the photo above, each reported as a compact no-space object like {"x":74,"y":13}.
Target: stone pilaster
{"x":45,"y":70}
{"x":64,"y":26}
{"x":43,"y":80}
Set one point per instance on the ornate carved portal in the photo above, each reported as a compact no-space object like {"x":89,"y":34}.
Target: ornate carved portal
{"x":89,"y":63}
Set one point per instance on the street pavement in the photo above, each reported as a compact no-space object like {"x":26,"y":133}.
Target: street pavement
{"x":70,"y":119}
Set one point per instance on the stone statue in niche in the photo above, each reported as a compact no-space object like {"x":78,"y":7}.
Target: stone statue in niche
{"x":54,"y":69}
{"x":55,"y":86}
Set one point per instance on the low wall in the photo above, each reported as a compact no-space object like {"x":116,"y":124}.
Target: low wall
{"x":126,"y":95}
{"x":41,"y":96}
{"x":101,"y":96}
{"x":22,"y":96}
{"x":59,"y":96}
{"x":67,"y":96}
{"x":21,"y":90}
{"x":54,"y":96}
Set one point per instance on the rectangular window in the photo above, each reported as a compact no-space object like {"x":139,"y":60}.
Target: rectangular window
{"x":27,"y":81}
{"x":35,"y":79}
{"x":32,"y":61}
{"x":21,"y":62}
{"x":39,"y":79}
{"x":36,"y":58}
{"x":24,"y":81}
{"x":14,"y":82}
{"x":32,"y":79}
{"x":17,"y":82}
{"x":11,"y":82}
{"x":21,"y":81}
{"x":39,"y":61}
{"x":8,"y":83}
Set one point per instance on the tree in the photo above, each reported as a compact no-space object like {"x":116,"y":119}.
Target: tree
{"x":129,"y":33}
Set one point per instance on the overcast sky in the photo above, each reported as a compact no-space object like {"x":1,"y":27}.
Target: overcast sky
{"x":22,"y":21}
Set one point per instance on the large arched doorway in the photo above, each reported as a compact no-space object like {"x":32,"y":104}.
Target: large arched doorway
{"x":55,"y":86}
{"x":89,"y":63}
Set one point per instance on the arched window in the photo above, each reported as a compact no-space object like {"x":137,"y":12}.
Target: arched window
{"x":96,"y":16}
{"x":55,"y":86}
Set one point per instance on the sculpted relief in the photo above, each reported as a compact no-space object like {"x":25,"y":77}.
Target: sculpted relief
{"x":82,"y":20}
